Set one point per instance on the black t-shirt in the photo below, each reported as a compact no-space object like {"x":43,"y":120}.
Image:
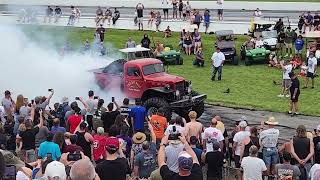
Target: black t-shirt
{"x":140,"y":13}
{"x":215,"y":164}
{"x":281,"y":37}
{"x":108,"y":119}
{"x":196,"y":173}
{"x":101,"y":30}
{"x":316,"y":142}
{"x":295,"y":84}
{"x":29,"y":138}
{"x":145,"y":42}
{"x":113,"y":169}
{"x":57,"y":10}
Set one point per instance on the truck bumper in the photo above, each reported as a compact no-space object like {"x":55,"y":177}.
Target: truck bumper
{"x":188,"y":102}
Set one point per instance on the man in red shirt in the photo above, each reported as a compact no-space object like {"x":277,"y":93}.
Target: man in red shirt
{"x":74,"y":120}
{"x":99,"y":145}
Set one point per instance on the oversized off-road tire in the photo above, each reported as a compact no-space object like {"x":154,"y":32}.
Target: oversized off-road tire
{"x":180,"y":62}
{"x":248,"y":61}
{"x":156,"y":103}
{"x":235,"y":60}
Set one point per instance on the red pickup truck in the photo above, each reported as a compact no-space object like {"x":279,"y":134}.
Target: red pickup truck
{"x":146,"y":79}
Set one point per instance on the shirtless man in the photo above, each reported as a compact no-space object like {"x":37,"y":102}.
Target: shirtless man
{"x":212,"y":134}
{"x":194,"y":128}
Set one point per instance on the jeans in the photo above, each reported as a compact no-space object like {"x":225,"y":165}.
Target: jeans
{"x":305,"y":171}
{"x":214,"y":72}
{"x":270,"y":156}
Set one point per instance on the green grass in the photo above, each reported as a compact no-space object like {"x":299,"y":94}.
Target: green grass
{"x":251,"y":86}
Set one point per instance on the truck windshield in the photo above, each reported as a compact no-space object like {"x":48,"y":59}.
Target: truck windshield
{"x":153,"y":68}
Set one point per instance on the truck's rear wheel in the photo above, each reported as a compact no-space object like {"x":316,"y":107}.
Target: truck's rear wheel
{"x":155,"y":103}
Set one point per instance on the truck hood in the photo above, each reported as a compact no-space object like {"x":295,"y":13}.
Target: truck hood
{"x":163,"y":77}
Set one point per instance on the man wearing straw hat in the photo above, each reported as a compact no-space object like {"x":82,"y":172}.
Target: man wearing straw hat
{"x":268,"y":141}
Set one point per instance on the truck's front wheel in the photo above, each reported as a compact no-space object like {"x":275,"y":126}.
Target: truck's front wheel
{"x":155,"y":103}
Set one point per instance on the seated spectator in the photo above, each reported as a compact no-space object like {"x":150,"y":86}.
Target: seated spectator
{"x":214,"y":160}
{"x":145,"y":161}
{"x":167,"y":32}
{"x":273,"y":60}
{"x":250,"y":44}
{"x":259,"y":42}
{"x":286,"y":170}
{"x":188,"y":164}
{"x":49,"y":149}
{"x":159,"y":48}
{"x":73,"y":147}
{"x":199,"y":61}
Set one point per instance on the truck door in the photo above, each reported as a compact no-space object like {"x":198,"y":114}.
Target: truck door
{"x":133,"y":82}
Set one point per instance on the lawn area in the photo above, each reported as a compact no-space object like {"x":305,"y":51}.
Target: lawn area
{"x":250,"y":86}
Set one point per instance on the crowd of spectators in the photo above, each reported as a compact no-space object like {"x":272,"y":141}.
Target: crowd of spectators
{"x":86,"y":140}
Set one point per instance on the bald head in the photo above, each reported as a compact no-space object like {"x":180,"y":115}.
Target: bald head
{"x":82,"y":170}
{"x":214,"y":122}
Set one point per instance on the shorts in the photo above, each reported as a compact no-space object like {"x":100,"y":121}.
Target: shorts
{"x":197,"y":44}
{"x":270,"y":156}
{"x":165,"y":10}
{"x":296,"y":98}
{"x":220,"y":11}
{"x":286,"y":83}
{"x":298,"y":51}
{"x":288,"y":45}
{"x":206,"y":24}
{"x":140,"y":19}
{"x":237,"y":161}
{"x":187,"y":45}
{"x":175,"y":8}
{"x":310,"y":75}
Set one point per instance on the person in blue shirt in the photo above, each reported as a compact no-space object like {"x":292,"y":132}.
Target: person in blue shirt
{"x":298,"y":44}
{"x":206,"y":17}
{"x":193,"y":143}
{"x":49,"y":148}
{"x":56,"y":127}
{"x":138,"y":115}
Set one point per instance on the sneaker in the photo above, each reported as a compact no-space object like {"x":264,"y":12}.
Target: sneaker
{"x":280,"y":95}
{"x":287,"y":95}
{"x":289,"y":112}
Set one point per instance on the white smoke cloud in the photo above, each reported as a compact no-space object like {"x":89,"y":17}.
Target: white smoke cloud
{"x":30,"y":69}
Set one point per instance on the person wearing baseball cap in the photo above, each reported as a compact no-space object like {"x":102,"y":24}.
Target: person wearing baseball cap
{"x":116,"y":165}
{"x":316,"y":141}
{"x":55,"y":170}
{"x":238,"y":139}
{"x":188,"y":163}
{"x":269,"y":140}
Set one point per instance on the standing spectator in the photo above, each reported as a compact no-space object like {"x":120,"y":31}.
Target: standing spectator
{"x":288,"y":40}
{"x":312,"y":70}
{"x":137,"y":139}
{"x":206,"y":20}
{"x":180,"y":8}
{"x":295,"y":93}
{"x":116,"y":16}
{"x":248,"y":142}
{"x":108,"y":15}
{"x":316,"y":142}
{"x":101,"y":30}
{"x":298,"y":44}
{"x":8,"y":105}
{"x":165,"y":7}
{"x":315,"y":172}
{"x":279,"y":25}
{"x":108,"y":118}
{"x":199,"y":61}
{"x":269,"y":140}
{"x":178,"y":123}
{"x":49,"y":148}
{"x":73,"y":147}
{"x":188,"y":9}
{"x":286,"y":170}
{"x":211,"y":135}
{"x":187,"y":43}
{"x":197,"y":18}
{"x":83,"y":169}
{"x":115,"y":166}
{"x":197,"y":40}
{"x":99,"y":146}
{"x":257,"y":14}
{"x":74,"y":120}
{"x":85,"y":139}
{"x":28,"y":137}
{"x":189,"y":167}
{"x":145,"y":161}
{"x":302,"y":151}
{"x":193,"y":128}
{"x":214,"y":160}
{"x":49,"y":14}
{"x":286,"y":81}
{"x":301,"y":23}
{"x":78,"y":14}
{"x":139,"y":9}
{"x":57,"y":14}
{"x":145,"y":42}
{"x":281,"y":45}
{"x":56,"y":127}
{"x":193,"y":143}
{"x":308,"y":20}
{"x":99,"y":16}
{"x":316,"y":20}
{"x":158,"y":21}
{"x":92,"y":103}
{"x":253,"y":167}
{"x":237,"y":144}
{"x":218,"y":59}
{"x":220,"y":9}
{"x":159,"y":124}
{"x":55,"y":170}
{"x":152,"y":17}
{"x":138,"y":115}
{"x":72,"y":17}
{"x":174,"y":9}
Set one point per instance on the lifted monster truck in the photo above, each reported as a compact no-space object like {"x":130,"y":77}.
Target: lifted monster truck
{"x":146,"y":79}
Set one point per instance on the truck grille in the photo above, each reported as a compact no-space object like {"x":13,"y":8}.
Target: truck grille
{"x":180,"y":87}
